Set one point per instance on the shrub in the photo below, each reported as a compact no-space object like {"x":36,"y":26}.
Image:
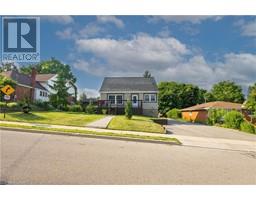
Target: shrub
{"x":128,"y":110}
{"x":75,"y":108}
{"x":26,"y":108}
{"x":247,"y":127}
{"x":13,"y":105}
{"x":90,"y":109}
{"x":104,"y":111}
{"x":43,"y":105}
{"x":216,"y":116}
{"x":2,"y":104}
{"x":233,"y":119}
{"x":174,"y":113}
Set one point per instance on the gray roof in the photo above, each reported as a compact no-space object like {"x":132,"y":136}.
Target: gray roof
{"x":128,"y":84}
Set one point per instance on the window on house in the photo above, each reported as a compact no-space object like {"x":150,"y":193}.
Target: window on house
{"x":153,"y":98}
{"x":111,"y":98}
{"x":41,"y":94}
{"x":146,"y":97}
{"x":119,"y":99}
{"x":149,"y":97}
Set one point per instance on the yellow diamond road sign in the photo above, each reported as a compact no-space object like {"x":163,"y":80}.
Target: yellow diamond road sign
{"x":8,"y":90}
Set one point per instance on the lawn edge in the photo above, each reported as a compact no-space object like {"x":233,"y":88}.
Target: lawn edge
{"x":90,"y":134}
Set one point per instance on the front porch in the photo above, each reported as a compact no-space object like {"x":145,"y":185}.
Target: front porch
{"x":118,"y":107}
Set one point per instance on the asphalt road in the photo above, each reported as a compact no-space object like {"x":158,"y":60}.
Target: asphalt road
{"x":33,"y":158}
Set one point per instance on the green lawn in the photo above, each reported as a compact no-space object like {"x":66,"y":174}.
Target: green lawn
{"x":137,"y":123}
{"x":59,"y":118}
{"x":84,"y":132}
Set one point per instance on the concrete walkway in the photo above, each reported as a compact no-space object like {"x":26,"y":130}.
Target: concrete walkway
{"x":101,"y":123}
{"x":204,"y":142}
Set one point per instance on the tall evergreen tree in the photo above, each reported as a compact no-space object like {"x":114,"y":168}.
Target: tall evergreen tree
{"x":147,"y":74}
{"x":60,"y":98}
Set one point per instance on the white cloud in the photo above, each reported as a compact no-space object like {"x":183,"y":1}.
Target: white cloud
{"x":60,"y":19}
{"x":166,"y":58}
{"x":110,"y":19}
{"x":249,"y":28}
{"x":165,"y":32}
{"x":139,"y":52}
{"x":194,"y":19}
{"x":65,"y":34}
{"x":90,"y":30}
{"x":90,"y":93}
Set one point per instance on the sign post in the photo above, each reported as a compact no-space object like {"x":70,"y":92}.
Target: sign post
{"x":7,"y":90}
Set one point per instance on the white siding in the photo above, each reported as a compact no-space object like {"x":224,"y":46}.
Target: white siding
{"x":39,"y":95}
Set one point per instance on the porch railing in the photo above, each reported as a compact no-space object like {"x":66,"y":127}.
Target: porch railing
{"x":119,"y":107}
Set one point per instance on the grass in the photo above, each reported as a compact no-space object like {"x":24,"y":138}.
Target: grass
{"x":84,"y":132}
{"x":58,"y":118}
{"x":137,"y":123}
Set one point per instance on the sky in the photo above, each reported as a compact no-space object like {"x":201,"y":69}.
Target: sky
{"x":201,"y":50}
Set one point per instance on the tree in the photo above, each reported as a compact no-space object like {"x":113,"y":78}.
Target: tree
{"x":82,"y":97}
{"x":147,"y":74}
{"x":178,"y":95}
{"x":208,"y":97}
{"x":60,"y":98}
{"x":251,"y":99}
{"x":128,"y":110}
{"x":7,"y":67}
{"x":227,"y":91}
{"x":54,"y":66}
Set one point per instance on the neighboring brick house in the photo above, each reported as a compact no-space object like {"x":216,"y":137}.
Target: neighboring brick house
{"x":199,"y":113}
{"x":27,"y":86}
{"x":142,"y":92}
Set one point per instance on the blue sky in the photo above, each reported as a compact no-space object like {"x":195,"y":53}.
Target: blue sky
{"x":193,"y":49}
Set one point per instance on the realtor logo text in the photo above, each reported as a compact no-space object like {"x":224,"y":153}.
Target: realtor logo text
{"x":20,"y":39}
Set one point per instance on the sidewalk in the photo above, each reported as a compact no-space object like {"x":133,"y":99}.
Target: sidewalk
{"x":215,"y":143}
{"x":101,"y":123}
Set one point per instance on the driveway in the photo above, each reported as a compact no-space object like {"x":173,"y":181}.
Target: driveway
{"x":33,"y":158}
{"x":204,"y":136}
{"x":199,"y":130}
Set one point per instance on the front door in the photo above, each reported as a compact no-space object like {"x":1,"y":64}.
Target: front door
{"x":135,"y":101}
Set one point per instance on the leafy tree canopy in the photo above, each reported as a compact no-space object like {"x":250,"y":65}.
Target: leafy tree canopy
{"x":178,"y":95}
{"x":54,"y":66}
{"x":7,"y":67}
{"x":251,"y":99}
{"x":227,"y":91}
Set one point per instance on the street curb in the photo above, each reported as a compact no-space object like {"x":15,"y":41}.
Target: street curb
{"x":89,"y":136}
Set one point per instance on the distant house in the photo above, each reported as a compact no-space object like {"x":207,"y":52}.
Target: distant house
{"x":47,"y":80}
{"x":27,"y":86}
{"x":199,"y":113}
{"x":142,"y":92}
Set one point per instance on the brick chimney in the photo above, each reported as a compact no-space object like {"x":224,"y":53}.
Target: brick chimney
{"x":33,"y":83}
